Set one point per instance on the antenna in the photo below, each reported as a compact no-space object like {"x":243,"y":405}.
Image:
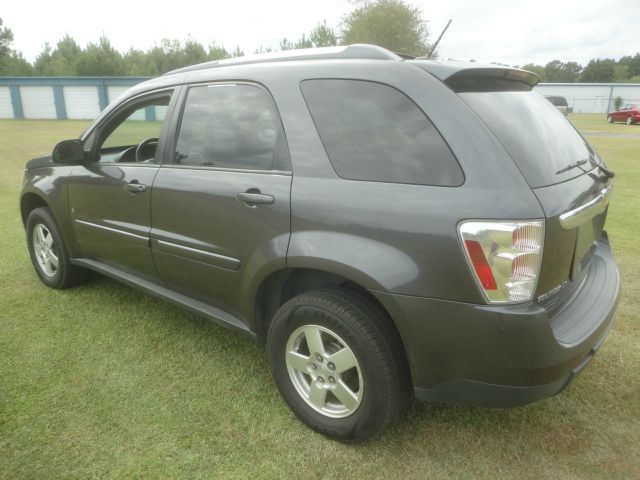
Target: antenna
{"x":433,"y":48}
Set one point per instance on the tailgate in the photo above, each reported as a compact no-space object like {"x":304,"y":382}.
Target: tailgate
{"x":575,"y":213}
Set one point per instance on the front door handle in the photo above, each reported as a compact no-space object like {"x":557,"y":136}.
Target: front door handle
{"x":135,"y":187}
{"x":254,"y":197}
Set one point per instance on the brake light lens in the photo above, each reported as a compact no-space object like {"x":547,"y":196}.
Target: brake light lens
{"x":480,"y":264}
{"x":504,"y":257}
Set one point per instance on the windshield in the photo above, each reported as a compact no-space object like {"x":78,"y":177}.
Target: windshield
{"x":537,"y":136}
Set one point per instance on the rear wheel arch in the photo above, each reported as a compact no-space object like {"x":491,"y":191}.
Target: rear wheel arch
{"x":283,"y":285}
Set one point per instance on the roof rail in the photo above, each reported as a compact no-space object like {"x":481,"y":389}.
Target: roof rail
{"x":356,"y":51}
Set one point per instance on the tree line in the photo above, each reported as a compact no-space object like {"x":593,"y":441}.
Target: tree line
{"x":68,"y":58}
{"x":393,"y":24}
{"x":599,"y":70}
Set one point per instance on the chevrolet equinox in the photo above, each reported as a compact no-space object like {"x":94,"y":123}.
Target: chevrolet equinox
{"x":383,"y":224}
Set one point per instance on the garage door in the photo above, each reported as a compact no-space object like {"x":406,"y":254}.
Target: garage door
{"x":81,"y":102}
{"x":37,"y":102}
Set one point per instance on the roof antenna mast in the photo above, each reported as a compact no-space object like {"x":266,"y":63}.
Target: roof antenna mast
{"x":433,"y":48}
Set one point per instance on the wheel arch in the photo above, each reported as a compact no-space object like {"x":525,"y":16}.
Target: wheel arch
{"x":29,"y":201}
{"x":32,"y":198}
{"x":282,"y":285}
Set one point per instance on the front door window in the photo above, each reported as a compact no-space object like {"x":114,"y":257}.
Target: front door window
{"x":133,"y":137}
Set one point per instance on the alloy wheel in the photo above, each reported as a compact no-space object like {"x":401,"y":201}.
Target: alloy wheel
{"x":324,"y":371}
{"x":45,"y":250}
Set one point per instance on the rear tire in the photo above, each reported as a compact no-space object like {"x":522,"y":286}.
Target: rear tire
{"x":48,"y":253}
{"x":629,"y":120}
{"x":609,"y":119}
{"x":338,"y":364}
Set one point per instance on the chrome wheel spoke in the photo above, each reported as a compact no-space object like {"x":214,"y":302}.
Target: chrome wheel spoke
{"x":53,"y":260}
{"x":297,"y":361}
{"x":343,"y":360}
{"x":348,"y":398}
{"x":40,"y":233}
{"x":48,"y":266}
{"x":48,"y":241}
{"x":317,"y":395}
{"x":314,"y":340}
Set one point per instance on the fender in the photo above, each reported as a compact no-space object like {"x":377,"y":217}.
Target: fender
{"x":269,"y":258}
{"x":52,"y":191}
{"x":370,"y":263}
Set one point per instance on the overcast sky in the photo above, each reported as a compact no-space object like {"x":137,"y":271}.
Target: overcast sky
{"x":507,"y":31}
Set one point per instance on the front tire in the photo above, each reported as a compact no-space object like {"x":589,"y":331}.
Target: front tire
{"x":629,"y":120}
{"x":609,"y":119}
{"x":338,"y":364}
{"x":48,"y":253}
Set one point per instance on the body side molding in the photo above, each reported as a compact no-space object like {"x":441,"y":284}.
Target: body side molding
{"x":217,"y":315}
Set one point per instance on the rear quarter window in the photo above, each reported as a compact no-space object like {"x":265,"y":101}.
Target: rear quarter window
{"x":373,"y":132}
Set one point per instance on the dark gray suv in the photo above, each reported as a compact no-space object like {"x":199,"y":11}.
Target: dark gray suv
{"x":382,"y":224}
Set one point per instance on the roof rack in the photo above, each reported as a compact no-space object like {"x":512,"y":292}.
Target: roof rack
{"x":356,"y":51}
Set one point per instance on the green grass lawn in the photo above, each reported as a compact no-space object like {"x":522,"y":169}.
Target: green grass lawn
{"x":590,"y":122}
{"x":101,"y":381}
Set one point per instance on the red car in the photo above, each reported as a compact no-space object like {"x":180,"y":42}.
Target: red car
{"x":627,"y":113}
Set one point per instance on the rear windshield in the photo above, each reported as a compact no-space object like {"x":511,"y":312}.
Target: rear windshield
{"x":537,"y":136}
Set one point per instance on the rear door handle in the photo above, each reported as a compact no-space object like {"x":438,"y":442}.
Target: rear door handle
{"x":254,"y":198}
{"x":135,"y":187}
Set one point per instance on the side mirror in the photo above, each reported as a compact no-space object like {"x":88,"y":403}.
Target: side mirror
{"x":69,"y":151}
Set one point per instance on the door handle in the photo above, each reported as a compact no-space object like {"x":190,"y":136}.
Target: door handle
{"x":135,"y":187}
{"x":254,"y":197}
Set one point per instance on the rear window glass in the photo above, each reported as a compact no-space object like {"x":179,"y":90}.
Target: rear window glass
{"x":373,"y":132}
{"x":537,"y":136}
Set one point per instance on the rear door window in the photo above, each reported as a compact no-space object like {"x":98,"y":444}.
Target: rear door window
{"x":231,"y":126}
{"x":374,"y":132}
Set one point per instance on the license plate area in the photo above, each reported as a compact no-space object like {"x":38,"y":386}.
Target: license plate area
{"x":586,"y":244}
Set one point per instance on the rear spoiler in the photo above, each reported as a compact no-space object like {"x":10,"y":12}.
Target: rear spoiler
{"x":471,"y":76}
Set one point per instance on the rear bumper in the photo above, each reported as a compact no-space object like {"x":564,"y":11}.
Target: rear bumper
{"x":504,"y":356}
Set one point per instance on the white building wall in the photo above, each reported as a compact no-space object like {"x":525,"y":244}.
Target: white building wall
{"x":37,"y":102}
{"x":592,"y":98}
{"x":6,"y":109}
{"x":629,"y":93}
{"x":160,"y":113}
{"x":113,"y":92}
{"x":81,"y":102}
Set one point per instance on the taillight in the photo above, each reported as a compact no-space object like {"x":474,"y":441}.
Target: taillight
{"x":504,"y":257}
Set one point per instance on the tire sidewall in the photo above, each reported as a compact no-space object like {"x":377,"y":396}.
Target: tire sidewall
{"x":43,"y":216}
{"x":364,"y":418}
